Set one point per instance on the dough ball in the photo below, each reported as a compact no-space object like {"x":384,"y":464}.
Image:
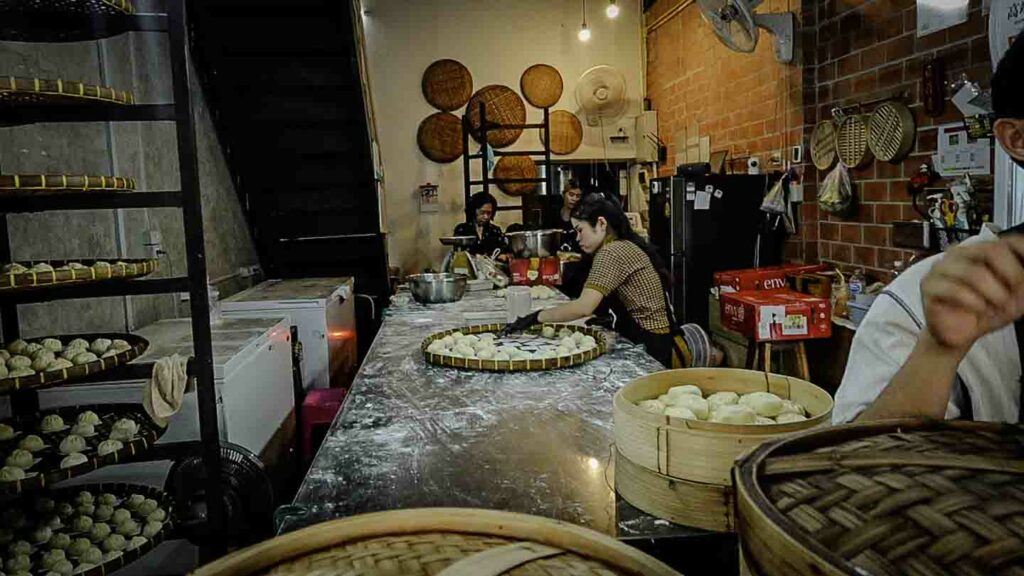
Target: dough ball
{"x":73,"y":459}
{"x":567,"y":342}
{"x":52,"y":423}
{"x":84,"y":358}
{"x":148,"y":506}
{"x":84,"y":498}
{"x":565,"y":333}
{"x":134,"y":501}
{"x":32,"y":443}
{"x":14,"y":268}
{"x":41,"y":267}
{"x":680,"y":412}
{"x":79,"y":343}
{"x":92,"y":555}
{"x":764,"y":403}
{"x":120,"y":516}
{"x":158,"y":515}
{"x":4,"y":372}
{"x":7,"y":432}
{"x":734,"y":414}
{"x":20,"y":458}
{"x":563,"y":351}
{"x":107,"y":499}
{"x":60,"y":541}
{"x":548,"y":332}
{"x":52,"y":344}
{"x":5,"y":355}
{"x":99,"y":532}
{"x":99,"y":345}
{"x":41,"y":360}
{"x":64,"y":510}
{"x":72,"y":443}
{"x":448,"y":341}
{"x":82,"y":524}
{"x":18,"y":563}
{"x":59,"y":364}
{"x":63,"y":568}
{"x":587,"y":342}
{"x":89,"y":417}
{"x":31,"y":349}
{"x":692,"y":402}
{"x":42,"y":535}
{"x":722,"y":399}
{"x":20,"y":547}
{"x":501,"y":356}
{"x":20,"y":372}
{"x":83,"y":429}
{"x":761,"y":420}
{"x":791,"y":407}
{"x":489,"y":336}
{"x":16,"y":362}
{"x":685,"y":389}
{"x":17,"y":347}
{"x":151,"y":529}
{"x":109,"y":447}
{"x":789,"y":418}
{"x":655,"y":406}
{"x":11,"y":474}
{"x":114,"y":542}
{"x":128,"y":528}
{"x":436,"y":347}
{"x":103,"y":512}
{"x":137,"y":542}
{"x":126,"y":424}
{"x":486,"y":353}
{"x":51,"y":558}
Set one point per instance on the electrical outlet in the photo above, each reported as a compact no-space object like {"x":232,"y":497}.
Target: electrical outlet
{"x":797,"y":154}
{"x":796,"y":192}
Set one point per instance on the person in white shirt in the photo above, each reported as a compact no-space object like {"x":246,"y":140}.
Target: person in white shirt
{"x":942,"y":340}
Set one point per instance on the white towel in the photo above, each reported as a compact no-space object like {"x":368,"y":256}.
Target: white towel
{"x":165,"y":391}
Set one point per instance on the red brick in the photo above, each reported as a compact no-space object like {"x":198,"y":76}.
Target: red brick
{"x":874,"y":191}
{"x":927,"y":141}
{"x":876,"y":236}
{"x":865,"y":83}
{"x":850,"y":233}
{"x":791,"y":251}
{"x":886,"y":171}
{"x":975,"y":26}
{"x":865,"y":172}
{"x":888,"y":213}
{"x":809,"y":230}
{"x":842,"y":252}
{"x":956,"y":57}
{"x":811,"y":253}
{"x":979,"y":51}
{"x":886,"y":257}
{"x":890,"y":75}
{"x":872,"y":57}
{"x":910,"y":20}
{"x":809,"y":209}
{"x":828,"y":231}
{"x":826,"y":72}
{"x":899,"y":48}
{"x":891,"y":27}
{"x":864,"y":255}
{"x":933,"y":41}
{"x":848,"y":65}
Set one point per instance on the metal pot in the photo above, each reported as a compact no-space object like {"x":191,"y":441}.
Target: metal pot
{"x":437,"y":288}
{"x":534,"y":243}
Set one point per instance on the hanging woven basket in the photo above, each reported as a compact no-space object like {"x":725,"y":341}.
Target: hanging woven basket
{"x":440,"y":137}
{"x":502,"y":106}
{"x":541,"y":85}
{"x":447,"y":85}
{"x":566,"y":132}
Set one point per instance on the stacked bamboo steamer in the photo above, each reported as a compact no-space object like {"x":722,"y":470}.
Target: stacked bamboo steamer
{"x":680,"y":470}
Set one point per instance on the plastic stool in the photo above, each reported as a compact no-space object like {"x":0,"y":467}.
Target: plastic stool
{"x":319,"y":408}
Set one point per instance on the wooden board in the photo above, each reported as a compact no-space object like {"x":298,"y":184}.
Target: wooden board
{"x":516,"y":167}
{"x":39,"y":91}
{"x":541,"y":85}
{"x":440,"y":137}
{"x":447,"y":85}
{"x":707,"y":506}
{"x":502,"y":106}
{"x":705,"y":451}
{"x":566,"y":132}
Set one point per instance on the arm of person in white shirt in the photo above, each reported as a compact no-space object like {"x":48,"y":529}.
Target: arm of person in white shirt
{"x":974,"y":290}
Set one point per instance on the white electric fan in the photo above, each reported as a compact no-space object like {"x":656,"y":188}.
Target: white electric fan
{"x":737,"y":26}
{"x":601,"y":94}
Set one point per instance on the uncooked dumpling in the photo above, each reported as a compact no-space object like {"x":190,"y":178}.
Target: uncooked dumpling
{"x":6,"y":432}
{"x":791,"y":407}
{"x":563,"y":351}
{"x":32,"y":443}
{"x":128,"y":528}
{"x":565,"y":333}
{"x":567,"y":342}
{"x":82,"y":524}
{"x":89,"y":417}
{"x":42,"y":359}
{"x":114,"y":542}
{"x":52,"y":423}
{"x":790,"y":418}
{"x":586,"y":343}
{"x":486,"y":353}
{"x":31,"y":349}
{"x":693,"y":403}
{"x":152,"y":529}
{"x":74,"y":459}
{"x":501,"y":356}
{"x":42,"y":535}
{"x":722,"y":399}
{"x":680,"y":412}
{"x":52,"y":344}
{"x":655,"y":406}
{"x":436,"y":347}
{"x":578,"y":337}
{"x":60,"y":541}
{"x":72,"y":443}
{"x":11,"y":474}
{"x":99,"y":346}
{"x":84,"y":358}
{"x":103,"y":512}
{"x":4,"y":372}
{"x":764,"y":403}
{"x":126,"y":424}
{"x":83,"y":429}
{"x":687,"y":389}
{"x":136,"y":542}
{"x":17,"y":347}
{"x":487,"y":336}
{"x":463,"y":351}
{"x":120,"y":516}
{"x":548,"y":332}
{"x":761,"y":420}
{"x":92,"y":555}
{"x":20,"y":458}
{"x":19,"y":361}
{"x":733,"y":414}
{"x":120,"y":345}
{"x":20,"y":372}
{"x":99,"y":532}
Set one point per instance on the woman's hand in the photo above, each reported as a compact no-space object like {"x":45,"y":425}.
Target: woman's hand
{"x":521,"y":324}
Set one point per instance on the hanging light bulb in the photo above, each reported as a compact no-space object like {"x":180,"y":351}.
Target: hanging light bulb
{"x":612,"y":11}
{"x":584,"y":34}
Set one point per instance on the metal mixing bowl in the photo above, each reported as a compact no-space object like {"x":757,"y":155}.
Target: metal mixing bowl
{"x":534,"y":243}
{"x":437,"y":288}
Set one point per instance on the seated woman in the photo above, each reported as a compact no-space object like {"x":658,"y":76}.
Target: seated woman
{"x":559,"y":217}
{"x":628,"y":274}
{"x":488,"y":236}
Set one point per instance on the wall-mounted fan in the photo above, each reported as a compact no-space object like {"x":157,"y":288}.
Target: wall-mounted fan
{"x":601,"y":95}
{"x":737,"y":26}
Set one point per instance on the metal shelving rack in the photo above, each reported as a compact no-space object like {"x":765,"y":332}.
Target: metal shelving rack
{"x":37,"y":28}
{"x":486,"y":180}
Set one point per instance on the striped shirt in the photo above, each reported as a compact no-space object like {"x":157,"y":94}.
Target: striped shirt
{"x":623,"y":269}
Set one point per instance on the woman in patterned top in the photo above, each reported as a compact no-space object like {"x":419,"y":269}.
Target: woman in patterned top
{"x":488,"y":236}
{"x":628,"y":272}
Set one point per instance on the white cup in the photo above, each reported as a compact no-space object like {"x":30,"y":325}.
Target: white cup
{"x":518,"y":302}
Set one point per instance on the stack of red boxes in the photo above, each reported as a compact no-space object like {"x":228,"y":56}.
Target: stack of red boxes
{"x":758,"y":304}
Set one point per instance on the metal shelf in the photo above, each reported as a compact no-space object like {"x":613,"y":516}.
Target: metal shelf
{"x":76,"y":27}
{"x":21,"y":115}
{"x":10,"y":204}
{"x":98,"y":290}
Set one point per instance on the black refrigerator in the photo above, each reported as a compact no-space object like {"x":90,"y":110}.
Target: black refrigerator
{"x":702,"y":224}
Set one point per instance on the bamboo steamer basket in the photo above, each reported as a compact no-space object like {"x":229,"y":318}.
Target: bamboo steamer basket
{"x":705,"y":451}
{"x":823,"y":145}
{"x":440,"y":542}
{"x":891,"y":131}
{"x":852,"y":141}
{"x":893,"y":498}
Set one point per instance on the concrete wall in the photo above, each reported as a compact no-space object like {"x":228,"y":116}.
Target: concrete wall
{"x":145,"y":151}
{"x":497,"y":41}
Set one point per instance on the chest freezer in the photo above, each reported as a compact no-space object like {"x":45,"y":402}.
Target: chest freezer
{"x":323,"y":310}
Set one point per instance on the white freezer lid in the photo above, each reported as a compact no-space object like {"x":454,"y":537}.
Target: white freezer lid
{"x":234,"y":340}
{"x":290,"y":293}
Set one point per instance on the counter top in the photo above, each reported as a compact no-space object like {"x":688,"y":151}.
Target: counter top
{"x":415,"y":435}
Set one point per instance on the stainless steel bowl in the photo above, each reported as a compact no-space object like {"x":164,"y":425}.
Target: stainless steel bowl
{"x":437,"y":288}
{"x":534,"y":243}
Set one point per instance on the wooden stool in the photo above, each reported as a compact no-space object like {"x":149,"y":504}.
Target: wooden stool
{"x":759,"y":355}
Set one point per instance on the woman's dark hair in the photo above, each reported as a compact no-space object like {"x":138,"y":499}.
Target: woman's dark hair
{"x":594,"y":206}
{"x":481,"y":199}
{"x":572,"y":184}
{"x":1008,"y":82}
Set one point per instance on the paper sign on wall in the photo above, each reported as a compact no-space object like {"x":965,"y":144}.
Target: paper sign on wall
{"x":936,"y":15}
{"x":958,"y":155}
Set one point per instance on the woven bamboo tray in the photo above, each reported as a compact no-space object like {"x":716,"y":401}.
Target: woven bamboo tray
{"x":514,"y":365}
{"x":541,"y":85}
{"x":566,"y":132}
{"x":123,"y":270}
{"x":503,"y":106}
{"x":28,"y":508}
{"x":440,"y":542}
{"x":59,"y":7}
{"x":46,"y":379}
{"x":37,"y":91}
{"x":447,"y":85}
{"x":852,"y":141}
{"x":439,"y":137}
{"x":892,"y":498}
{"x":47,"y":471}
{"x":33,"y":184}
{"x":516,"y":167}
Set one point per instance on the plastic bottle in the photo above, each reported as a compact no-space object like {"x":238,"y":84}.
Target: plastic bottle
{"x":856,"y":284}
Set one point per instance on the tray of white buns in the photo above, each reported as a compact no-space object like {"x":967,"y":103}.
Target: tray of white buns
{"x":543,"y":347}
{"x":88,"y":530}
{"x":41,"y":449}
{"x":17,"y":276}
{"x":40,"y":362}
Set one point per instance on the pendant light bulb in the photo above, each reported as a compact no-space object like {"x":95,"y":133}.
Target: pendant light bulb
{"x":584,"y":34}
{"x":612,"y":11}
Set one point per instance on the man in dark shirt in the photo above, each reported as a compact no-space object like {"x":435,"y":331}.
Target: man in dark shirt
{"x":488,"y":236}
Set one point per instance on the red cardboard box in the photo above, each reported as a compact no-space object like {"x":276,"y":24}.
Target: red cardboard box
{"x":772,"y":316}
{"x":766,"y":278}
{"x":533,"y":271}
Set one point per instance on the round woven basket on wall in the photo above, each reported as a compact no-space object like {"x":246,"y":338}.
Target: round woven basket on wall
{"x":894,"y":498}
{"x":440,"y":137}
{"x":852,"y":141}
{"x":503,"y":106}
{"x":440,"y":542}
{"x":516,"y":167}
{"x":566,"y":132}
{"x":541,"y":85}
{"x":447,"y":85}
{"x":891,"y":131}
{"x":823,"y":145}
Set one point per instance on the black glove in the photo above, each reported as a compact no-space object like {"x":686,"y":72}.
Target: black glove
{"x":522,"y":323}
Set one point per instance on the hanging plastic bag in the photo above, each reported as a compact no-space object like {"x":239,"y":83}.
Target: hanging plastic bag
{"x":775,"y":200}
{"x":836,"y":192}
